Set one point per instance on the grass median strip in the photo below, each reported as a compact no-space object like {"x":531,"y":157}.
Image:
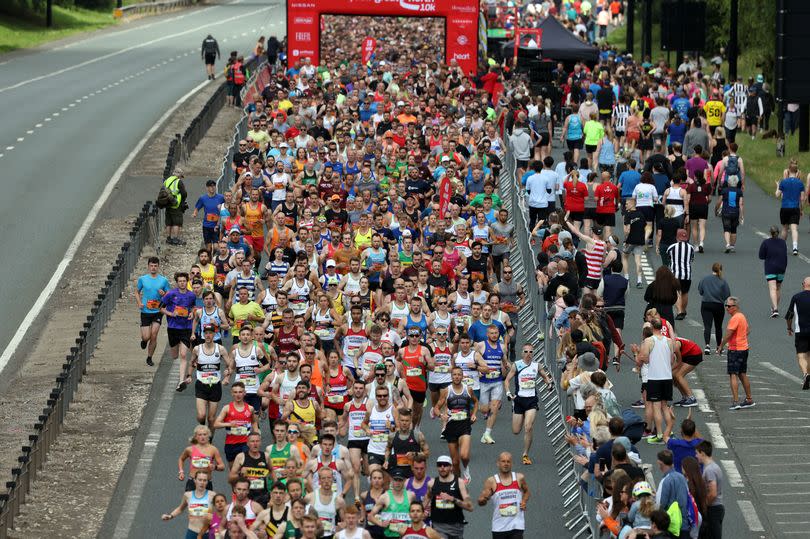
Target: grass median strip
{"x":19,"y":33}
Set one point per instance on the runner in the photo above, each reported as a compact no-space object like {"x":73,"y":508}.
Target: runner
{"x":248,"y":362}
{"x":458,"y":406}
{"x":199,"y":502}
{"x":379,"y":423}
{"x":304,"y":409}
{"x":418,"y":529}
{"x":798,"y":326}
{"x":325,"y":458}
{"x":178,"y":306}
{"x":252,"y":466}
{"x":509,"y":494}
{"x":448,"y":499}
{"x":416,"y":360}
{"x":326,"y":503}
{"x":149,"y":291}
{"x":526,"y":372}
{"x":207,"y":359}
{"x":277,"y":512}
{"x":496,"y":362}
{"x":392,"y":509}
{"x":202,"y":456}
{"x":210,"y":53}
{"x":404,"y":445}
{"x":240,"y":420}
{"x":658,"y":351}
{"x":241,"y":502}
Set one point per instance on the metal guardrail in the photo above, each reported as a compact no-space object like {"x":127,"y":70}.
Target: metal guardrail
{"x":145,"y":230}
{"x":258,"y":78}
{"x":150,"y":8}
{"x":181,"y":146}
{"x":579,"y":509}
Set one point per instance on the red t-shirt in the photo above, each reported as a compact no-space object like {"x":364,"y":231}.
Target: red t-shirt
{"x":575,"y":193}
{"x":606,"y":195}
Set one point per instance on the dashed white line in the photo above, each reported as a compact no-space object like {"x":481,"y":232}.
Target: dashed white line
{"x":718,"y":439}
{"x":47,"y":119}
{"x":38,"y":125}
{"x":732,"y":473}
{"x":55,"y":114}
{"x":750,"y":515}
{"x":64,"y":109}
{"x":770,"y":366}
{"x":30,"y":132}
{"x":72,"y":105}
{"x":703,"y":402}
{"x":9,"y":148}
{"x":20,"y":139}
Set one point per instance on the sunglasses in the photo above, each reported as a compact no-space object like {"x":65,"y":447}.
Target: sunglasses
{"x":443,"y":464}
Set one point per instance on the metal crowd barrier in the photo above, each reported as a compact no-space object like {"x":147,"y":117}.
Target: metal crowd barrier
{"x":150,"y":8}
{"x":579,"y":509}
{"x":145,"y":230}
{"x":258,"y":78}
{"x":181,"y":146}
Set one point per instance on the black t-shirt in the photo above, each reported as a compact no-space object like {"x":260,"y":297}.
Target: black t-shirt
{"x":439,"y":285}
{"x":336,"y":217}
{"x":669,"y":230}
{"x":799,"y":311}
{"x":241,"y":159}
{"x":635,"y":236}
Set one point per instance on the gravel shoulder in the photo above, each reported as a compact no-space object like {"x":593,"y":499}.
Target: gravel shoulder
{"x":72,"y":495}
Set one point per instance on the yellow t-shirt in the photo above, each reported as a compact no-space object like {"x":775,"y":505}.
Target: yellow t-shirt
{"x":714,"y":112}
{"x":239,"y":314}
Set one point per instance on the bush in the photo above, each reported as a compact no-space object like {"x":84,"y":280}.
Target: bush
{"x":22,"y":8}
{"x":100,"y":5}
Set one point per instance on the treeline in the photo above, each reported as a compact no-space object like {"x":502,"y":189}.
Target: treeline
{"x":756,"y":31}
{"x":35,"y":8}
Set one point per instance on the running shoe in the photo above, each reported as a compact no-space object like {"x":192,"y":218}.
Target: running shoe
{"x":774,"y":313}
{"x":149,"y":361}
{"x":487,"y":439}
{"x":639,"y":284}
{"x":680,"y":316}
{"x":181,"y":386}
{"x":734,"y":406}
{"x":432,"y":413}
{"x":648,"y":434}
{"x":795,"y":252}
{"x":727,"y":249}
{"x":700,"y":248}
{"x":655,"y":440}
{"x":638,"y":404}
{"x":679,"y":403}
{"x":689,"y":402}
{"x":707,"y":350}
{"x":747,"y":403}
{"x":527,"y":460}
{"x":143,"y":344}
{"x":732,"y":248}
{"x":465,"y":475}
{"x":806,"y":384}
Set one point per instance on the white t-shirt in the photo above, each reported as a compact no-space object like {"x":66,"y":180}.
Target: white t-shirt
{"x":645,"y":195}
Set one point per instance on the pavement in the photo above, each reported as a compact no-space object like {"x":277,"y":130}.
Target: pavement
{"x":77,"y":110}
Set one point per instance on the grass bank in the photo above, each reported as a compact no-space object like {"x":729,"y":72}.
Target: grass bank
{"x":17,"y":33}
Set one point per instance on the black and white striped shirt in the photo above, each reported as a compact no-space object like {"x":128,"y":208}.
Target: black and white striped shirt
{"x":620,"y":114}
{"x":681,"y":256}
{"x":740,"y":94}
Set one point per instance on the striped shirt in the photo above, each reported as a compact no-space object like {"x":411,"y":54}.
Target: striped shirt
{"x":594,"y":258}
{"x":681,"y":256}
{"x":740,"y":94}
{"x":620,"y":114}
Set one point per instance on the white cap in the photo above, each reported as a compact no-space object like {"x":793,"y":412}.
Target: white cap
{"x":444,"y":459}
{"x":400,"y":103}
{"x":330,"y":263}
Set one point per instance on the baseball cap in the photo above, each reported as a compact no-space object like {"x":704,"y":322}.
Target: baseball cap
{"x":330,"y":263}
{"x":444,"y":459}
{"x":283,"y":145}
{"x":397,"y":474}
{"x":641,"y":488}
{"x":445,"y":159}
{"x":406,"y":233}
{"x":209,"y":327}
{"x":335,"y":198}
{"x":235,"y":229}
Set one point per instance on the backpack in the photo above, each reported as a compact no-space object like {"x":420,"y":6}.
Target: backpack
{"x":633,"y":425}
{"x":238,"y":75}
{"x":164,"y":198}
{"x":733,"y":166}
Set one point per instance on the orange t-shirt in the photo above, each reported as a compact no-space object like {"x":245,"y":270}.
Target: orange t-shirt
{"x":738,"y":325}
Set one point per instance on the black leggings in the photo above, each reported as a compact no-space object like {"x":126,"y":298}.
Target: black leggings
{"x":712,"y":312}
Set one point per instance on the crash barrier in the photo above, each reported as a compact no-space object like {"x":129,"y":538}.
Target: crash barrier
{"x":150,"y":8}
{"x":181,"y":146}
{"x":579,"y":507}
{"x":145,"y":231}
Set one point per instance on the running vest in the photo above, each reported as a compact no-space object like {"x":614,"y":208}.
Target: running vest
{"x":421,"y":323}
{"x":199,"y":507}
{"x":414,"y":368}
{"x":324,"y":325}
{"x":242,"y":419}
{"x":250,"y":514}
{"x":399,"y":451}
{"x":493,"y":357}
{"x":211,"y":319}
{"x":286,"y":340}
{"x":439,"y":322}
{"x":445,"y":511}
{"x":352,"y":284}
{"x":397,"y":514}
{"x":357,"y":414}
{"x":256,"y":470}
{"x":327,"y":513}
{"x":246,"y":369}
{"x":279,"y":458}
{"x":441,"y":369}
{"x":380,"y":425}
{"x":269,"y":303}
{"x":337,"y":479}
{"x":287,"y":386}
{"x":271,"y":528}
{"x":399,"y":313}
{"x":463,"y":309}
{"x":410,"y":533}
{"x":304,"y":414}
{"x":506,"y":512}
{"x":526,"y":379}
{"x":199,"y":460}
{"x":208,"y":365}
{"x":299,"y":296}
{"x":469,"y":367}
{"x":459,"y":404}
{"x":509,"y":296}
{"x":253,"y":219}
{"x":248,"y":282}
{"x":370,"y":357}
{"x":338,"y":390}
{"x":353,"y":341}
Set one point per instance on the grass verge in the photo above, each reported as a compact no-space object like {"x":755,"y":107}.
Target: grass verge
{"x":17,"y":33}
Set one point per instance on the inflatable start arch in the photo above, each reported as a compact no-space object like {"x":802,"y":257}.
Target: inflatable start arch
{"x":460,"y":16}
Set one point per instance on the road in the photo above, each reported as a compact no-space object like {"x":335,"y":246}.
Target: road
{"x":71,"y":116}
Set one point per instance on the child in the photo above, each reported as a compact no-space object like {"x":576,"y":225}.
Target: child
{"x":642,"y":508}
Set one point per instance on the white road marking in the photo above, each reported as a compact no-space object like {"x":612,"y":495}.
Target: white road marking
{"x":703,"y":402}
{"x":49,"y":288}
{"x":55,"y":114}
{"x":132,"y":48}
{"x":750,"y":515}
{"x":771,"y":367}
{"x":47,"y":119}
{"x":64,"y":109}
{"x":9,"y":148}
{"x":732,"y":473}
{"x":38,"y":125}
{"x":20,"y":139}
{"x":30,"y":131}
{"x":718,"y":439}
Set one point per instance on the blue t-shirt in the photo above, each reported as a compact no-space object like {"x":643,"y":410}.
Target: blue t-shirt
{"x":731,"y":200}
{"x":150,"y":288}
{"x":478,"y":330}
{"x":210,"y":206}
{"x":181,"y":303}
{"x":792,"y":189}
{"x":628,"y":180}
{"x":677,"y":133}
{"x":681,"y":106}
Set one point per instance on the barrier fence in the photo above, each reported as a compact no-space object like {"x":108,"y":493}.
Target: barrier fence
{"x":579,"y":508}
{"x":145,"y":230}
{"x":150,"y":8}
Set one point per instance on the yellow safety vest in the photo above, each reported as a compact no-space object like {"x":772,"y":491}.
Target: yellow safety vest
{"x":172,"y":184}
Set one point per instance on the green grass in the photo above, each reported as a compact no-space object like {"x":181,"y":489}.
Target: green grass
{"x":17,"y":33}
{"x":762,"y":166}
{"x":618,"y":38}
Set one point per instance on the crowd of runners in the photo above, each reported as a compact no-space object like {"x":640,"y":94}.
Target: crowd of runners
{"x":355,"y":283}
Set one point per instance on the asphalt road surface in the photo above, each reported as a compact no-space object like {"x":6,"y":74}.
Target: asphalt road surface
{"x":761,"y":450}
{"x":72,"y":114}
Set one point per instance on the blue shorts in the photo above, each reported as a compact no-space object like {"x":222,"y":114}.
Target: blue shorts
{"x":231,"y":450}
{"x":737,"y":362}
{"x":210,"y":234}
